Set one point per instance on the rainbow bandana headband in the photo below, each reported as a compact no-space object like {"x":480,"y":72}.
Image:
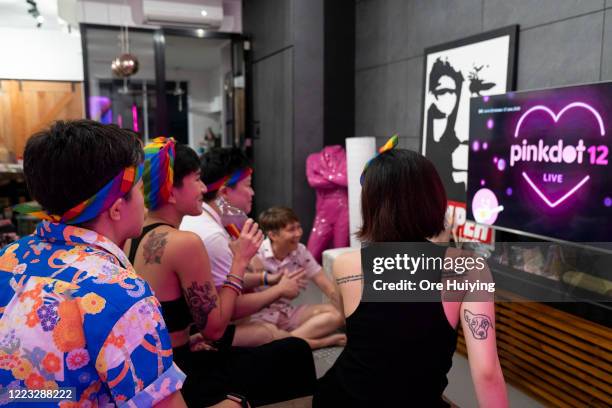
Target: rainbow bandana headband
{"x":230,"y":179}
{"x":118,"y":187}
{"x":391,"y":143}
{"x":158,"y":171}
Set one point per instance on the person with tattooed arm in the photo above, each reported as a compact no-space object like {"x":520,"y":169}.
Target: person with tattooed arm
{"x":227,"y":174}
{"x":176,"y":265}
{"x":398,"y":354}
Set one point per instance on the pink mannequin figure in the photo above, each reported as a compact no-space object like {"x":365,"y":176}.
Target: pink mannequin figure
{"x":326,"y":173}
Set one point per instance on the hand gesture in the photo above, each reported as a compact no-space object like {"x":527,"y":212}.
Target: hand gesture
{"x":274,"y":278}
{"x":249,"y":241}
{"x":291,"y":284}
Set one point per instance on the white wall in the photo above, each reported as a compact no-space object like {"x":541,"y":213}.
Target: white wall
{"x":30,"y":53}
{"x":118,"y":12}
{"x":204,"y":98}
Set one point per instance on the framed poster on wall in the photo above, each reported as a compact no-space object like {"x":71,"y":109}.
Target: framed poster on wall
{"x":481,"y":65}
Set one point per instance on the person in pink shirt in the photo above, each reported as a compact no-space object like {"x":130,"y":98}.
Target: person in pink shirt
{"x":282,"y":253}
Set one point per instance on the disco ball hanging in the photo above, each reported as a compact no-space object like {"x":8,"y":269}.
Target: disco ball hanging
{"x":125,"y":65}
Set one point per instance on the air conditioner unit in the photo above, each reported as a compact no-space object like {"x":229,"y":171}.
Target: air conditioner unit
{"x":193,"y":13}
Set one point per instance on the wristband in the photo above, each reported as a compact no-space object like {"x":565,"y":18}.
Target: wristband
{"x":232,"y":396}
{"x":232,"y":288}
{"x":233,"y":285}
{"x":265,"y":278}
{"x":238,"y":278}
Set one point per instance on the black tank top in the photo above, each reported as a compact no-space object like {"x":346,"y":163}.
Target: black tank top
{"x":175,"y":312}
{"x":397,"y":354}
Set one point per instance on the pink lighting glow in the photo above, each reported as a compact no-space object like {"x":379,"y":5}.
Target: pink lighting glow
{"x":134,"y":118}
{"x":556,"y":117}
{"x":560,"y":200}
{"x":490,"y":124}
{"x":475,"y":145}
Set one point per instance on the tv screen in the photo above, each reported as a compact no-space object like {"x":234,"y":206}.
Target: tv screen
{"x":539,"y":162}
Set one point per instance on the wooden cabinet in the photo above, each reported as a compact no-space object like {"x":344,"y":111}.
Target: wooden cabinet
{"x":29,"y":106}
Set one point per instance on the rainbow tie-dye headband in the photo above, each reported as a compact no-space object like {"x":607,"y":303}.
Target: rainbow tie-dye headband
{"x":118,"y":187}
{"x":230,"y":179}
{"x":158,"y":171}
{"x":391,"y":143}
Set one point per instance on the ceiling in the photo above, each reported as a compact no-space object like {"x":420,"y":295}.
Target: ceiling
{"x":14,"y":14}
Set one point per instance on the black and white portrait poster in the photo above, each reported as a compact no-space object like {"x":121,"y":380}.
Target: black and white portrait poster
{"x":455,"y":72}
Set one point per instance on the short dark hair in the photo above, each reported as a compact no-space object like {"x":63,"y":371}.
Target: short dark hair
{"x":219,"y":162}
{"x":402,"y":199}
{"x":276,"y":218}
{"x":72,"y":160}
{"x":186,"y":161}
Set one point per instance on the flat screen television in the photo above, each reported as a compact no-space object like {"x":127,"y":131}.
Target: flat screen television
{"x":539,"y":162}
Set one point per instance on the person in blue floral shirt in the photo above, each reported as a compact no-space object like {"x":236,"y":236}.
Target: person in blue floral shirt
{"x":73,"y":312}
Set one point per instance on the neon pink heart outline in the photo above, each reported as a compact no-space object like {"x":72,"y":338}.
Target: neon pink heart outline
{"x":556,"y":118}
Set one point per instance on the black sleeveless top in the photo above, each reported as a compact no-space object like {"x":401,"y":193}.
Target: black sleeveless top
{"x":176,"y":312}
{"x":397,"y":354}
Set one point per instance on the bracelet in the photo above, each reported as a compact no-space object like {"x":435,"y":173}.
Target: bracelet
{"x":265,"y":278}
{"x":238,"y":278}
{"x":238,"y":292}
{"x":233,"y":285}
{"x":240,"y":399}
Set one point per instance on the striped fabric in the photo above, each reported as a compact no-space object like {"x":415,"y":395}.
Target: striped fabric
{"x":230,"y":179}
{"x":118,"y":187}
{"x":158,"y":172}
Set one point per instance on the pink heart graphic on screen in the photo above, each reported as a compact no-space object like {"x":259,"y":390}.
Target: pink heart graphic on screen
{"x":556,"y":117}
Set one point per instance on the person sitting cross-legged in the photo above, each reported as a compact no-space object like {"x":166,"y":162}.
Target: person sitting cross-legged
{"x":176,"y":265}
{"x":282,"y":253}
{"x":227,"y":174}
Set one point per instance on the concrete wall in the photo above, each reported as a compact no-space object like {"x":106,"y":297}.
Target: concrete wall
{"x":303,"y":94}
{"x":561,"y":42}
{"x":287,"y":65}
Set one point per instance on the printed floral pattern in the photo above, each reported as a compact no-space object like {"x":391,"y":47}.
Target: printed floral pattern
{"x":73,"y":313}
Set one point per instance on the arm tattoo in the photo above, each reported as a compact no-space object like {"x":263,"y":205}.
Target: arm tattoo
{"x":154,"y":247}
{"x":201,"y":301}
{"x":351,"y":278}
{"x":479,"y":324}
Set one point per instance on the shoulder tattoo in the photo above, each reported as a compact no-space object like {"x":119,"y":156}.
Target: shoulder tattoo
{"x":154,"y":247}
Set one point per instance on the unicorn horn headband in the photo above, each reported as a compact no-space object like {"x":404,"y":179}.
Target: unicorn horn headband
{"x":158,"y":171}
{"x":116,"y":188}
{"x":391,"y":143}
